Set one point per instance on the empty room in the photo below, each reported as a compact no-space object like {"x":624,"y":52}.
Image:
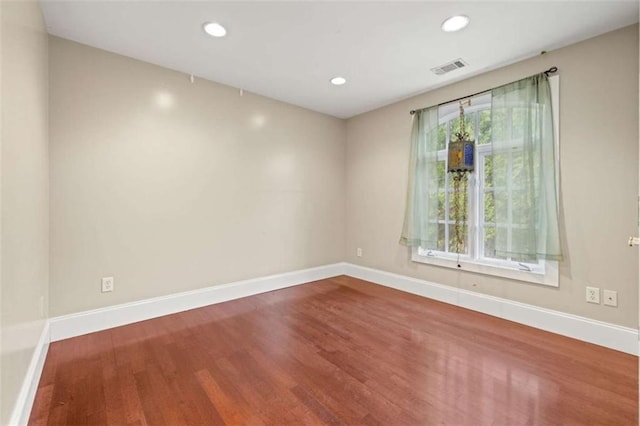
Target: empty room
{"x":319,"y":212}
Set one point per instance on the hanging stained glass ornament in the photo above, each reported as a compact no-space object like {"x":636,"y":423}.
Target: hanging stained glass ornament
{"x":462,"y":148}
{"x":460,"y":166}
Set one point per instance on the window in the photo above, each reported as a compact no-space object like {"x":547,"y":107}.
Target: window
{"x":495,"y":169}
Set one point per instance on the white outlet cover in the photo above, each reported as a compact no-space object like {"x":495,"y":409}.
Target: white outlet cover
{"x":593,"y":295}
{"x":107,"y":284}
{"x":610,"y":297}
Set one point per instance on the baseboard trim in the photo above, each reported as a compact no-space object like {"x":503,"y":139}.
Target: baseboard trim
{"x":64,"y":327}
{"x":27,"y":395}
{"x":600,"y":333}
{"x":612,"y":336}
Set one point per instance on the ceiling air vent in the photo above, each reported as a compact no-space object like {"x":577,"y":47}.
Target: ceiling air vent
{"x":450,"y":66}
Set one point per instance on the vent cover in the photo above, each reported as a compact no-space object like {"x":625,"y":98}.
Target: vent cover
{"x":450,"y":66}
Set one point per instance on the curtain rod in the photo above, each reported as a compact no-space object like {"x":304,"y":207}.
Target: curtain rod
{"x":547,"y":72}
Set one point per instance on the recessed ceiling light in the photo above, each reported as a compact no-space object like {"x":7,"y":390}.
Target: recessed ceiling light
{"x":214,"y":29}
{"x":455,"y":23}
{"x":338,"y":81}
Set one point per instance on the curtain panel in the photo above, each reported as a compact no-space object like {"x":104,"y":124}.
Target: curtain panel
{"x":524,"y":171}
{"x":421,"y":214}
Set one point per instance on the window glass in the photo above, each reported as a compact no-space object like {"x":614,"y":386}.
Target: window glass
{"x":484,"y":128}
{"x":441,"y":173}
{"x":441,"y":205}
{"x":519,"y":123}
{"x":441,"y":236}
{"x":499,"y":170}
{"x":489,"y":207}
{"x":499,"y":124}
{"x":522,"y":208}
{"x":469,"y":125}
{"x":442,"y":135}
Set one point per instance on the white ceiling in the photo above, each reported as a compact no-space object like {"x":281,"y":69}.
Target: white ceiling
{"x":290,"y":50}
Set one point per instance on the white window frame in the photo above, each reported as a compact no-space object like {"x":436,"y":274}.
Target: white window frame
{"x":545,"y":272}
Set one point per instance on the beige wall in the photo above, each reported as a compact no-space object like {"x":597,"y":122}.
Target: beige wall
{"x":599,"y":187}
{"x":171,"y":186}
{"x":24,"y":193}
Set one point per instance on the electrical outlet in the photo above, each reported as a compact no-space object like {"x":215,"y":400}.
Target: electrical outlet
{"x":610,"y":297}
{"x":593,"y":295}
{"x":359,"y":252}
{"x":107,"y":284}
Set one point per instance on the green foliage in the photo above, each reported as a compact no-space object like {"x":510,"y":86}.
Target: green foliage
{"x":484,"y":127}
{"x":469,"y":125}
{"x":442,"y":135}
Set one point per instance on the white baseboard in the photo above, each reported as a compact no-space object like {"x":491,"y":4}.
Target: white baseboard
{"x":600,"y":333}
{"x":612,"y":336}
{"x":27,"y":395}
{"x":64,"y":327}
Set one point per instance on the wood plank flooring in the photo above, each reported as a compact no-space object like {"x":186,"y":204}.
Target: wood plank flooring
{"x":336,"y":351}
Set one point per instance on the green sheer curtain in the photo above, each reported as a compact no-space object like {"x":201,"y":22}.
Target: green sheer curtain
{"x":522,"y":173}
{"x":421,"y":213}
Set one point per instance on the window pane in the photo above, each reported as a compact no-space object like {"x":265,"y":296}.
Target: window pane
{"x":441,"y":173}
{"x":518,"y":122}
{"x":518,"y":174}
{"x":441,"y":236}
{"x":499,"y":124}
{"x":501,"y":240}
{"x":500,"y":170}
{"x":442,"y":136}
{"x":441,"y":203}
{"x":489,"y":207}
{"x":452,"y":239}
{"x":488,"y":171}
{"x":469,"y":125}
{"x":522,"y":241}
{"x":501,"y":207}
{"x":484,"y":131}
{"x":454,"y":127}
{"x":521,"y":203}
{"x":490,"y":242}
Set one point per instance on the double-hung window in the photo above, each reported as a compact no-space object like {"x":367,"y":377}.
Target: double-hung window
{"x":496,"y":184}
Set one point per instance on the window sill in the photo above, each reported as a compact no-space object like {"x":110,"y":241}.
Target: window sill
{"x":548,"y":278}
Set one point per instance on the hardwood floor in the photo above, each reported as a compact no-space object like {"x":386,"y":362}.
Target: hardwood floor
{"x":336,"y":351}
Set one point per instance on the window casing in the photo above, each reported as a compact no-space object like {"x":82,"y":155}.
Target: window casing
{"x":478,"y":254}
